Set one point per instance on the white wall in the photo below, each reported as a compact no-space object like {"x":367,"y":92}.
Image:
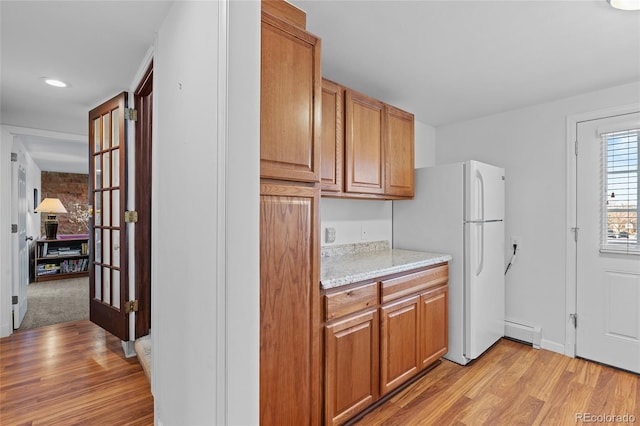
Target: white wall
{"x":205,"y":215}
{"x":349,"y":217}
{"x":425,"y":145}
{"x":531,"y":144}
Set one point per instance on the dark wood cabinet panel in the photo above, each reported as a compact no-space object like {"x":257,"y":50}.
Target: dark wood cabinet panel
{"x":434,"y":325}
{"x":331,"y":169}
{"x":289,"y":305}
{"x":399,"y":358}
{"x":290,"y":102}
{"x":399,"y":155}
{"x":364,"y":145}
{"x":351,"y":366}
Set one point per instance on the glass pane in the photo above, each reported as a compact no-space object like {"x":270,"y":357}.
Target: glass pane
{"x":106,"y":245}
{"x":97,"y":219}
{"x":116,"y":248}
{"x":116,"y":288}
{"x":107,"y":285}
{"x":97,"y":181}
{"x":98,"y":283}
{"x":106,"y":208}
{"x":106,"y":128}
{"x":96,"y":135}
{"x":115,"y":208}
{"x":98,"y":246}
{"x":621,"y":190}
{"x":115,"y":167}
{"x":106,"y":169}
{"x":115,"y":114}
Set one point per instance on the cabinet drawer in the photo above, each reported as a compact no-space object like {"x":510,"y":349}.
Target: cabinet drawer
{"x":411,"y":283}
{"x":345,"y":302}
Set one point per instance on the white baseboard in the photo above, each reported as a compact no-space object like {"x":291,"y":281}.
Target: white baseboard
{"x":523,"y":332}
{"x":553,"y":346}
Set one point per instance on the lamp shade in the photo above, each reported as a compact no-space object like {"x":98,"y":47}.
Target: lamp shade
{"x":51,"y":206}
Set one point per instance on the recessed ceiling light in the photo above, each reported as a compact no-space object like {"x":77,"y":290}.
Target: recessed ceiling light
{"x":625,"y":4}
{"x":54,"y":82}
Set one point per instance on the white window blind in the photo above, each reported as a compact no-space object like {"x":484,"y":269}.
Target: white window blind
{"x":620,"y":191}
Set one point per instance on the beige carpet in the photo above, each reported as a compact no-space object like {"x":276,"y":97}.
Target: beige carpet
{"x":54,"y":302}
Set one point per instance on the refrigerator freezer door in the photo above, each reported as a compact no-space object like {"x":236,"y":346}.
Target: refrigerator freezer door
{"x":485,"y":192}
{"x":484,"y":286}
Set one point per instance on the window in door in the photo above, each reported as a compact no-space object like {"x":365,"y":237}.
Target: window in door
{"x":620,"y":191}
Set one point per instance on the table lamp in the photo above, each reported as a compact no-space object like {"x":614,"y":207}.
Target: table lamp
{"x":52,"y":207}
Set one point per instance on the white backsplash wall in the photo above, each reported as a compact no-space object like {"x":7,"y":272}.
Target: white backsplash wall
{"x":350,"y":217}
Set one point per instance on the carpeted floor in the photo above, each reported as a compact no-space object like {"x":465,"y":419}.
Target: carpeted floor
{"x":54,"y":302}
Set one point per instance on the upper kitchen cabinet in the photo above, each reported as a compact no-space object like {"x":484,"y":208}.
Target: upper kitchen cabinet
{"x":399,"y":152}
{"x":364,"y":144}
{"x":367,"y":146}
{"x":290,"y":102}
{"x":332,"y":136}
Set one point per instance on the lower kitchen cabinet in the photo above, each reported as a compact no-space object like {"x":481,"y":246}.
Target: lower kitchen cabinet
{"x":434,"y":325}
{"x":378,"y":335}
{"x":399,"y":342}
{"x":290,"y":334}
{"x":351,"y":366}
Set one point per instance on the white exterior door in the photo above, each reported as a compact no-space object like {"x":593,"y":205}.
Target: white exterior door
{"x":607,"y":252}
{"x":19,"y":251}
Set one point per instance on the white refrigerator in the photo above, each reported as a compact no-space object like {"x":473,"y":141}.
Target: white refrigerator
{"x":458,"y":209}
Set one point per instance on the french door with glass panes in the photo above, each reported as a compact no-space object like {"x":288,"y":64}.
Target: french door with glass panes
{"x":108,"y":239}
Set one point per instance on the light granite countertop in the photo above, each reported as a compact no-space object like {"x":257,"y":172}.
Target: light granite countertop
{"x":342,"y":265}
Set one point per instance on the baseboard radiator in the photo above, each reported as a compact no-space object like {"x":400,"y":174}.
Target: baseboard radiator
{"x":523,"y":332}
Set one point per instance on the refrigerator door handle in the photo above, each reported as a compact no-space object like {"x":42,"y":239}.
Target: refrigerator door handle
{"x":480,"y":266}
{"x":480,"y":206}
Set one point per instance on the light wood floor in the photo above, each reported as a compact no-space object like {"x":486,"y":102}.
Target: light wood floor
{"x":75,"y":373}
{"x":513,"y":384}
{"x":71,"y":374}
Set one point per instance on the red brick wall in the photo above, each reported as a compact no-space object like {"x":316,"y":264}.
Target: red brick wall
{"x":70,"y":188}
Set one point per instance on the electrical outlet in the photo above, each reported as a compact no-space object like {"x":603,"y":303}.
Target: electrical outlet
{"x":329,"y":235}
{"x":516,"y":240}
{"x":363,"y":233}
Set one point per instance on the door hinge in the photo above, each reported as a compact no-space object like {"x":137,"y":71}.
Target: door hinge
{"x":575,"y":233}
{"x":574,"y":319}
{"x":14,"y":228}
{"x":576,"y":147}
{"x":14,"y":300}
{"x":131,"y":306}
{"x":131,"y":216}
{"x":14,"y":157}
{"x":131,"y":114}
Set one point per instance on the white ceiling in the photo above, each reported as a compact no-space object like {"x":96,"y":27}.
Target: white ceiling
{"x":96,"y":46}
{"x":445,"y":61}
{"x":448,"y":61}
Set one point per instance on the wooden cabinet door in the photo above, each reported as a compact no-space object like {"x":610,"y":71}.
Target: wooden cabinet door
{"x":351,"y":366}
{"x":332,"y":136}
{"x":399,"y":155}
{"x":434,"y":326}
{"x":290,"y":369}
{"x":364,"y":147}
{"x":290,"y":102}
{"x":399,"y":357}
